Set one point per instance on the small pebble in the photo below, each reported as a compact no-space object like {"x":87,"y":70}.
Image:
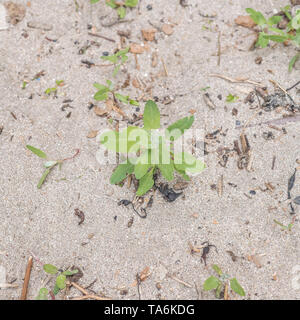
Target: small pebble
{"x":253,"y":192}
{"x":105,"y":53}
{"x":149,"y":7}
{"x":137,"y":109}
{"x":238,"y":123}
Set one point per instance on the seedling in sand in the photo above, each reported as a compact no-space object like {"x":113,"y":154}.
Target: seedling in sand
{"x":151,"y":152}
{"x":270,"y":32}
{"x":105,"y":90}
{"x":117,"y":59}
{"x":59,"y":83}
{"x":120,"y":6}
{"x":231,"y":98}
{"x":288,"y":227}
{"x":60,"y":282}
{"x":221,"y":284}
{"x":49,"y":165}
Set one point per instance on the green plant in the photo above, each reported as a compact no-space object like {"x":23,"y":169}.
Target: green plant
{"x":60,"y":281}
{"x":231,"y":98}
{"x":49,"y":165}
{"x":269,"y":31}
{"x":222,"y":282}
{"x":117,"y":59}
{"x":48,"y":91}
{"x":104,"y":91}
{"x":288,"y":227}
{"x":120,"y":6}
{"x":151,"y":151}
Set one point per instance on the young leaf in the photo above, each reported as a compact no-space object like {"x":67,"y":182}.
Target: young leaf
{"x":121,"y":12}
{"x":116,"y":70}
{"x":122,"y":52}
{"x":94,"y":1}
{"x":37,"y":152}
{"x":111,"y":3}
{"x":167,"y":170}
{"x":231,"y":98}
{"x":49,"y":268}
{"x":175,"y":130}
{"x":56,"y":289}
{"x":131,"y":3}
{"x":61,"y":281}
{"x":142,"y":165}
{"x":43,"y":178}
{"x":43,"y":294}
{"x":112,"y":58}
{"x":100,"y":95}
{"x":151,"y":116}
{"x":217,"y":269}
{"x":124,"y":99}
{"x":236,"y":287}
{"x":219,"y":290}
{"x":257,"y":17}
{"x":50,"y":164}
{"x":293,"y":61}
{"x":211,"y":283}
{"x":121,"y":172}
{"x":100,"y":86}
{"x":262,"y":41}
{"x":146,"y":183}
{"x":70,"y":272}
{"x":274,"y":20}
{"x":134,"y":102}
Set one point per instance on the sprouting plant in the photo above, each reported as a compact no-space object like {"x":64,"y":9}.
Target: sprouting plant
{"x":59,"y":83}
{"x":288,"y":227}
{"x":117,"y":59}
{"x":60,"y":282}
{"x":151,"y":150}
{"x":231,"y":98}
{"x":269,"y":31}
{"x":49,"y":165}
{"x":221,"y":283}
{"x":105,"y":90}
{"x":120,"y":6}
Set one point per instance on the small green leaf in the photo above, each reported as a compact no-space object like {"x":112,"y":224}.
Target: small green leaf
{"x":70,"y":272}
{"x":274,"y":20}
{"x":293,"y":61}
{"x":211,"y":283}
{"x":112,"y":58}
{"x":146,"y":183}
{"x":111,"y":3}
{"x":116,"y":70}
{"x":56,"y":290}
{"x":61,"y":281}
{"x":131,"y":3}
{"x":134,"y":102}
{"x":236,"y":287}
{"x":151,"y":116}
{"x":122,"y":52}
{"x":167,"y":170}
{"x":37,"y":152}
{"x":49,"y":268}
{"x":121,"y":172}
{"x":100,"y":96}
{"x":121,"y":12}
{"x":217,"y":269}
{"x":100,"y":86}
{"x":257,"y":17}
{"x":43,"y":294}
{"x":94,"y":1}
{"x":142,"y":165}
{"x":175,"y":130}
{"x":231,"y":98}
{"x":219,"y":290}
{"x":124,"y":99}
{"x":262,"y":41}
{"x":43,"y":178}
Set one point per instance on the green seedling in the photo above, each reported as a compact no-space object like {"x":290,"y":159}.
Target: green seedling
{"x":288,"y":227}
{"x":24,"y":85}
{"x":120,"y":6}
{"x":49,"y":165}
{"x":231,"y":98}
{"x":221,"y":282}
{"x":269,"y":31}
{"x":60,"y":282}
{"x":48,"y":91}
{"x":151,"y":152}
{"x":117,"y":59}
{"x":105,"y":90}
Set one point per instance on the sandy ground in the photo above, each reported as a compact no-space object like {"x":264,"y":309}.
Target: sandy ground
{"x":42,"y":222}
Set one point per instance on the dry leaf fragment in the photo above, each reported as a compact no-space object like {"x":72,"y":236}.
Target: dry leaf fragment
{"x":255,"y":259}
{"x":92,"y":134}
{"x":149,"y":34}
{"x":100,"y":112}
{"x":136,"y":48}
{"x":245,"y":21}
{"x":167,"y":29}
{"x":16,"y":12}
{"x":142,"y":276}
{"x":136,"y":83}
